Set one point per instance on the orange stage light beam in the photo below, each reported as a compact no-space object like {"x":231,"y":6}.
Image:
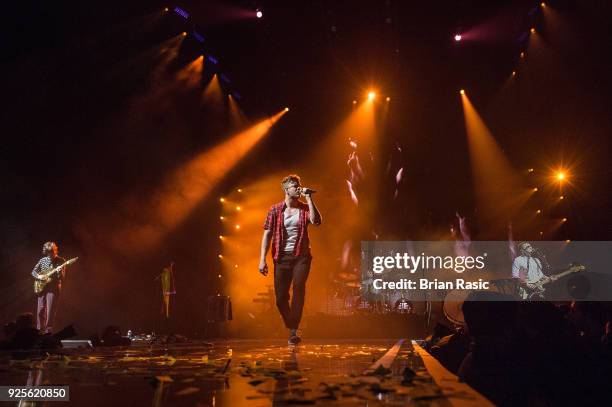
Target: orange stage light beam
{"x":213,"y":93}
{"x":192,"y":73}
{"x":495,"y":181}
{"x":190,"y":184}
{"x":236,"y":115}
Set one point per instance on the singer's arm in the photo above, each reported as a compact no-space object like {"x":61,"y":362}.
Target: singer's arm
{"x":265,"y":245}
{"x":315,"y":216}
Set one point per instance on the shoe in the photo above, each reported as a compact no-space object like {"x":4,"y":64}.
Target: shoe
{"x":294,"y":340}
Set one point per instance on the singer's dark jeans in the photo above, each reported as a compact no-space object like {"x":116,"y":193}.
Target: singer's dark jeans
{"x":289,"y":269}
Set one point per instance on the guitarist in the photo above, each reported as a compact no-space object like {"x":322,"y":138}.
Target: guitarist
{"x":528,"y":269}
{"x":47,"y":299}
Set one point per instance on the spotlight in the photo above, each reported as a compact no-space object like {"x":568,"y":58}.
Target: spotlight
{"x":388,"y":99}
{"x":221,"y":217}
{"x":286,"y":109}
{"x":235,"y":266}
{"x":237,"y":226}
{"x":462,"y":92}
{"x":219,"y":275}
{"x":535,"y":190}
{"x":458,"y":37}
{"x":532,"y":30}
{"x":221,"y":237}
{"x":567,"y":241}
{"x":543,"y":4}
{"x":371,"y":95}
{"x":221,"y":199}
{"x":513,"y":73}
{"x":184,"y":34}
{"x":354,"y":102}
{"x":166,"y":9}
{"x":560,"y":175}
{"x":239,"y":190}
{"x":522,"y":55}
{"x":564,"y":219}
{"x":539,"y":211}
{"x":238,"y":208}
{"x":561,"y":197}
{"x":258,"y":14}
{"x":220,"y":256}
{"x":530,"y":170}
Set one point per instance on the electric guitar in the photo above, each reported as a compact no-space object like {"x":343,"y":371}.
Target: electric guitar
{"x":528,"y":291}
{"x":46,"y":276}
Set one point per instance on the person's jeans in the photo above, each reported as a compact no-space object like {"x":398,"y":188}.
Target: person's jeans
{"x":47,"y":304}
{"x":289,"y":269}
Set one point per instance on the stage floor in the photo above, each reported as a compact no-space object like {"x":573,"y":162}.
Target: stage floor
{"x":235,"y":373}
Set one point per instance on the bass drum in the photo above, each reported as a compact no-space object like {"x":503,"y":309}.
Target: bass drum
{"x":453,"y":306}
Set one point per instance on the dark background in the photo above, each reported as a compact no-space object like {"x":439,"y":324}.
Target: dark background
{"x":81,"y":130}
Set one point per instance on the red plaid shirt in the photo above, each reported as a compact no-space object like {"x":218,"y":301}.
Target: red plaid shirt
{"x":276,"y":222}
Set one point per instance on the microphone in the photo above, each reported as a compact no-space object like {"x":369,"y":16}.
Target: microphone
{"x":307,"y":191}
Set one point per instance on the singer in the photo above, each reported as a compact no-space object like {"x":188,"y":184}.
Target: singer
{"x":286,"y":229}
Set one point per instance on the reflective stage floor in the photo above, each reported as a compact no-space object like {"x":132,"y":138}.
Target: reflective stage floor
{"x":236,"y":373}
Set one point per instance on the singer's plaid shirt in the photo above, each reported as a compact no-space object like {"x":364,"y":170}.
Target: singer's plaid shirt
{"x":275,"y":223}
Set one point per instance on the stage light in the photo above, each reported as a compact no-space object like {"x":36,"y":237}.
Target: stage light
{"x":166,"y":9}
{"x":564,"y":219}
{"x":567,"y":241}
{"x":221,"y":217}
{"x":371,"y":95}
{"x":458,"y":37}
{"x":238,"y":208}
{"x":198,"y":36}
{"x":530,"y":170}
{"x":354,"y":102}
{"x":532,"y":30}
{"x":219,"y":275}
{"x":462,"y":92}
{"x":239,"y":190}
{"x":561,"y":197}
{"x":535,"y":190}
{"x":220,"y":256}
{"x":221,"y":199}
{"x":543,"y":4}
{"x":237,"y":226}
{"x":560,"y":175}
{"x":388,"y":99}
{"x":513,"y":73}
{"x":221,"y":237}
{"x":235,"y":266}
{"x":181,"y":12}
{"x":539,"y":211}
{"x":522,"y":55}
{"x":286,"y":109}
{"x":541,"y":233}
{"x":184,"y":34}
{"x":259,"y":14}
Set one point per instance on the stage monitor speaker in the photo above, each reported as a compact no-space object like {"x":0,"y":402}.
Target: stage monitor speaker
{"x":77,"y":344}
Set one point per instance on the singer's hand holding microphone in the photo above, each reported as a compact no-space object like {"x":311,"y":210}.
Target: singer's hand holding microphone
{"x":306,"y":191}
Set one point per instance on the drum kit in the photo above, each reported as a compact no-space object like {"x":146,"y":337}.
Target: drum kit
{"x":347,"y":299}
{"x":348,"y":285}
